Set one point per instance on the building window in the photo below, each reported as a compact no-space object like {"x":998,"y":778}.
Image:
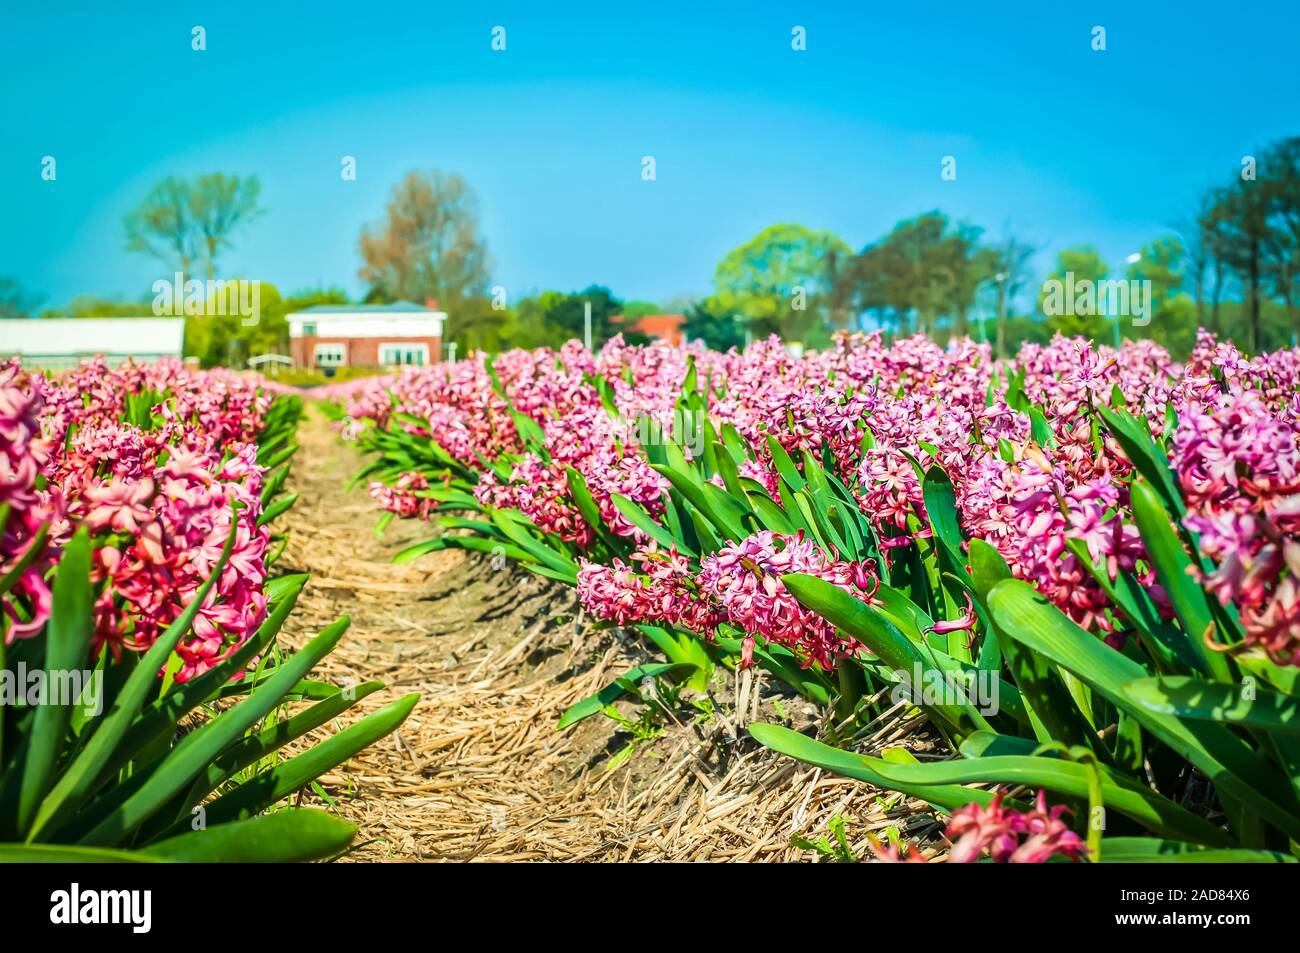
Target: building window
{"x":309,"y":329}
{"x":331,"y":355}
{"x":415,"y":355}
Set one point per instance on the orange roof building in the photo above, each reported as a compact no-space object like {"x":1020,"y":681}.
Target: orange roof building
{"x":665,"y":326}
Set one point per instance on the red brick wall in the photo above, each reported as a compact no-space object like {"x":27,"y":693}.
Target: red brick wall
{"x":361,"y":352}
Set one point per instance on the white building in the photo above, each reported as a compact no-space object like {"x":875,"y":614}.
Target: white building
{"x":57,"y":343}
{"x":365,"y":335}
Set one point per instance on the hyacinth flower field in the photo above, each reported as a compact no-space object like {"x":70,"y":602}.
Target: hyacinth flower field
{"x":148,"y":705}
{"x":1036,"y":610}
{"x":1049,"y":602}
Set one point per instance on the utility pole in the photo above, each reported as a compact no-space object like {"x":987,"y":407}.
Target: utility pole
{"x":586,"y":324}
{"x":1131,"y":260}
{"x":1001,"y":330}
{"x":749,"y":330}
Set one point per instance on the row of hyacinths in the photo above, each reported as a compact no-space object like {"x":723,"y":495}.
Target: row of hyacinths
{"x":880,"y":415}
{"x":156,"y":495}
{"x":1235,"y":450}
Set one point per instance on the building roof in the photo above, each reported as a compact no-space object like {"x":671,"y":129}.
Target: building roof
{"x":397,"y":307}
{"x":666,"y":326}
{"x":89,"y":336}
{"x":398,"y":321}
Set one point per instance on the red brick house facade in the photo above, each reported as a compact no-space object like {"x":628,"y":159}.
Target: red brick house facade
{"x":379,"y":336}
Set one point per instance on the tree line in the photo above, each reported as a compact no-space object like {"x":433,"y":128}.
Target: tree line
{"x":1232,"y":265}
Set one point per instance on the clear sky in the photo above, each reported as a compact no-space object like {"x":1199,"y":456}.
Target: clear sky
{"x":1063,"y":144}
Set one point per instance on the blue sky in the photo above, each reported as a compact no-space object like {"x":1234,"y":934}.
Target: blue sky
{"x":1062,"y":144}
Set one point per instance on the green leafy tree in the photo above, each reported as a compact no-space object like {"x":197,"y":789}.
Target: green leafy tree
{"x":1160,"y":262}
{"x":1214,"y":237}
{"x":1025,"y":328}
{"x":550,"y":318}
{"x":1243,"y":233}
{"x":780,"y":280}
{"x":1059,"y":297}
{"x":478,"y":326}
{"x":1163,"y":262}
{"x":230,"y":339}
{"x":719,"y":329}
{"x":1251,"y":228}
{"x":568,"y":314}
{"x":923,"y":271}
{"x":639,"y":309}
{"x":96,"y":306}
{"x":534,"y":326}
{"x":1281,"y":172}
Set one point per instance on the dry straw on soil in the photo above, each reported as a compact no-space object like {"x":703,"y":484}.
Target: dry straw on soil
{"x":479,"y":772}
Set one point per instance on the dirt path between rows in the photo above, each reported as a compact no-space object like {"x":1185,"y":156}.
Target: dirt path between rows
{"x":478,"y":771}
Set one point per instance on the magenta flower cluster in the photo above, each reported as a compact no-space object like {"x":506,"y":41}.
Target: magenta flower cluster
{"x":28,"y":507}
{"x":745,"y":579}
{"x":401,"y":498}
{"x":1010,"y":836}
{"x":739,"y":585}
{"x":657,"y":586}
{"x":1241,"y":479}
{"x":1003,"y":834}
{"x":887,"y":412}
{"x":157,"y":500}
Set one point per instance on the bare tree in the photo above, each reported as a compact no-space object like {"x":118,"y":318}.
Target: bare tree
{"x":163,"y":226}
{"x":1282,"y":169}
{"x":1238,"y":221}
{"x":972,"y":264}
{"x":14,"y":302}
{"x":428,"y":244}
{"x":219,"y":206}
{"x":183,"y":223}
{"x":1197,"y":249}
{"x":1011,"y":272}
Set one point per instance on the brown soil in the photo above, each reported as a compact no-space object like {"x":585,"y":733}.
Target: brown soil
{"x":478,"y":771}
